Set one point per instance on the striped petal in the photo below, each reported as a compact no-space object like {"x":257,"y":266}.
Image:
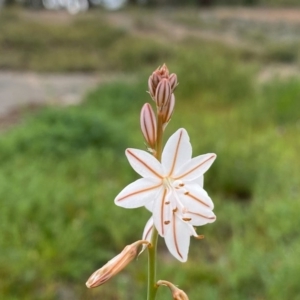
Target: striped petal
{"x":177,"y":238}
{"x":177,"y":152}
{"x":194,"y":193}
{"x":138,"y":193}
{"x":161,"y":211}
{"x":199,"y":218}
{"x":144,"y":163}
{"x":147,"y":233}
{"x":148,"y":230}
{"x":195,"y":168}
{"x":197,"y":206}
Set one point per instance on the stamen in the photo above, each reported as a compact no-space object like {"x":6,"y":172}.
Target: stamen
{"x":178,"y":184}
{"x":199,"y":237}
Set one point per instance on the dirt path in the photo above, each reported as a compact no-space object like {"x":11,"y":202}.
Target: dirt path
{"x":21,"y":91}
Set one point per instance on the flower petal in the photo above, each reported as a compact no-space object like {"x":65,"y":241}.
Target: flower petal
{"x":144,"y":163}
{"x":161,"y":211}
{"x":201,"y":181}
{"x":138,"y":193}
{"x":196,"y":195}
{"x":148,"y":230}
{"x":147,"y":233}
{"x":195,"y":168}
{"x":199,"y":219}
{"x":149,"y":206}
{"x":197,"y":206}
{"x":177,"y":238}
{"x":177,"y":151}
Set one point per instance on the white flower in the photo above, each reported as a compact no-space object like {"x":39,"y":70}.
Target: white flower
{"x":172,"y":190}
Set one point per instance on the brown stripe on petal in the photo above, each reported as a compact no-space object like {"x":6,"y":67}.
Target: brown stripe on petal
{"x":176,"y":153}
{"x":195,"y":168}
{"x":174,"y":236}
{"x":162,"y":211}
{"x":148,"y":232}
{"x":196,"y":199}
{"x":143,"y":163}
{"x":202,"y":216}
{"x":139,"y":192}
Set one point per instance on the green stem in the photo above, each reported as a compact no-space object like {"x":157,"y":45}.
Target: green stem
{"x":152,"y":287}
{"x":152,"y":249}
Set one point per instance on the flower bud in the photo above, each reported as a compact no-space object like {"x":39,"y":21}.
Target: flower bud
{"x":168,"y":111}
{"x":173,"y":81}
{"x":152,"y":83}
{"x":148,"y":125}
{"x":176,"y":292}
{"x":163,"y":71}
{"x":163,"y":93}
{"x":115,"y":265}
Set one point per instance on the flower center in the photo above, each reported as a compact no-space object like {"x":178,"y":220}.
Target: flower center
{"x":171,"y":184}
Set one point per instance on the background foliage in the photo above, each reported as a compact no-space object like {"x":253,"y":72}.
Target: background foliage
{"x":61,"y":169}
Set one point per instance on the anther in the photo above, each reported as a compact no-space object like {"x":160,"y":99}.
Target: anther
{"x":166,"y":222}
{"x":167,"y":202}
{"x":186,"y":219}
{"x":199,"y":237}
{"x":186,"y":193}
{"x":175,"y":209}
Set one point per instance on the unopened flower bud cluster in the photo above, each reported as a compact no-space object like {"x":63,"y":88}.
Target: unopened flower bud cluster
{"x":161,"y":86}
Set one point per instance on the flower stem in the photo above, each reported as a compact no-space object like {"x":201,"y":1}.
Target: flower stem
{"x":152,"y":287}
{"x":152,"y":249}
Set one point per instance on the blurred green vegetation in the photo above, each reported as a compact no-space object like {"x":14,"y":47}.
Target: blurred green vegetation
{"x":61,"y":170}
{"x":34,"y":44}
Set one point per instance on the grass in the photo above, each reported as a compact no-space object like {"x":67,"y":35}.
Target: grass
{"x":61,"y":170}
{"x":29,"y":43}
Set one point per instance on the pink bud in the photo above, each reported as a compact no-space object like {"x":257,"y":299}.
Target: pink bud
{"x":156,"y":78}
{"x":163,"y":93}
{"x":173,"y":81}
{"x":168,"y":111}
{"x":152,"y":83}
{"x":115,"y":265}
{"x":148,"y":125}
{"x":163,"y":71}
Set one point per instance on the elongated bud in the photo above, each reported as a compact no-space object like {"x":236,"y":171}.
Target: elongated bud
{"x":176,"y":292}
{"x":173,"y":81}
{"x":148,"y":125}
{"x":115,"y":265}
{"x":163,"y":93}
{"x":152,"y":83}
{"x":168,"y":111}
